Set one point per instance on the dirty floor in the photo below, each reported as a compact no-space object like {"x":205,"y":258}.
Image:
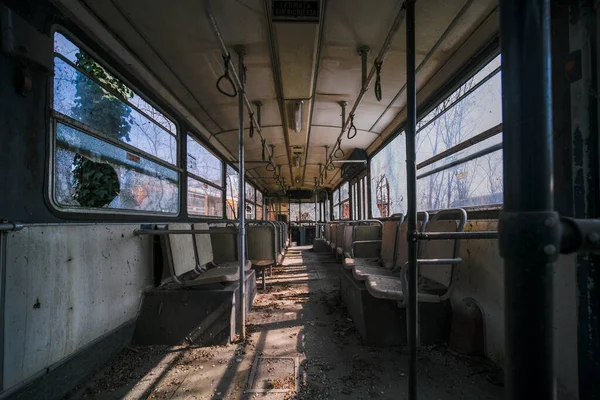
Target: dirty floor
{"x":300,"y":345}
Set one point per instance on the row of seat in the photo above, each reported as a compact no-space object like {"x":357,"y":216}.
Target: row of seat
{"x":376,"y":253}
{"x":209,"y":254}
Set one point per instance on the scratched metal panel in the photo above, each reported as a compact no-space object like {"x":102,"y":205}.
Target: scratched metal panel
{"x":481,"y":277}
{"x":66,"y":287}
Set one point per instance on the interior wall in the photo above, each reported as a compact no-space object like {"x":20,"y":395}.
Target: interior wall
{"x":481,"y":276}
{"x":67,"y":286}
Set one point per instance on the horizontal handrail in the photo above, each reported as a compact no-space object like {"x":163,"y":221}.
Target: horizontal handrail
{"x":438,"y":261}
{"x":10,"y":226}
{"x":456,"y":235}
{"x":165,"y":232}
{"x":367,"y":241}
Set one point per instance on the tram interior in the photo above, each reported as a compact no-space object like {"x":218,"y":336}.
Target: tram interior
{"x":216,"y":199}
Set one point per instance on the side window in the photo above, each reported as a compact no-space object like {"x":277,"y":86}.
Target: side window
{"x":250,"y":201}
{"x":111,"y":148}
{"x":460,"y":180}
{"x":205,"y":180}
{"x":233,"y":196}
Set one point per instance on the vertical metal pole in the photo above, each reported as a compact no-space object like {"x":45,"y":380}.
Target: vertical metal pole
{"x":586,"y":190}
{"x":529,"y":235}
{"x":411,"y":213}
{"x":3,"y":239}
{"x":242,"y":201}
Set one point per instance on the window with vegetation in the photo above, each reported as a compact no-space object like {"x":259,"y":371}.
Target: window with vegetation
{"x":112,"y":149}
{"x":471,"y":176}
{"x":250,"y":201}
{"x":345,"y":201}
{"x":259,"y":205}
{"x":294,"y":211}
{"x":233,"y":196}
{"x":336,"y":204}
{"x":388,"y":179}
{"x":473,"y":111}
{"x":205,"y":180}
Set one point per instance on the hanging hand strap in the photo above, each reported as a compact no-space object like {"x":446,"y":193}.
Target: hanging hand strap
{"x":352,"y":128}
{"x":225,"y":77}
{"x":378,"y":94}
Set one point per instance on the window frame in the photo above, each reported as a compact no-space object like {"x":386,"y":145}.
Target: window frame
{"x":56,"y":117}
{"x":191,"y":175}
{"x":474,"y":66}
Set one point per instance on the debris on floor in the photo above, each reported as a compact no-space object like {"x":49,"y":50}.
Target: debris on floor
{"x":300,"y":345}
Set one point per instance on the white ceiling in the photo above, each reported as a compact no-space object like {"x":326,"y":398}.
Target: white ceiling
{"x":175,"y":43}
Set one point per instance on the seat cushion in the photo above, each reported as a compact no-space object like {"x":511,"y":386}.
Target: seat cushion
{"x":228,"y":264}
{"x":362,"y":272}
{"x":262,"y":263}
{"x":385,"y":287}
{"x":215,"y":275}
{"x":350,"y":263}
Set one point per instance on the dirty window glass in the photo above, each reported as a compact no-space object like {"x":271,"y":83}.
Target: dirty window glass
{"x":92,"y":173}
{"x":113,"y":150}
{"x":203,"y":163}
{"x":233,"y":197}
{"x":204,"y":199}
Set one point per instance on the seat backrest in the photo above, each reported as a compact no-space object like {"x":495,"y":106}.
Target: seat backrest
{"x":261,"y":242}
{"x":224,"y":243}
{"x":388,"y":242}
{"x":181,"y":249}
{"x":204,"y":248}
{"x":333,"y":233}
{"x":347,"y":241}
{"x":367,"y":232}
{"x":402,"y":249}
{"x":438,"y":249}
{"x":339,"y":235}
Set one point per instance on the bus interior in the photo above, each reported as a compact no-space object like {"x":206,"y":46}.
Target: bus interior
{"x":299,"y":199}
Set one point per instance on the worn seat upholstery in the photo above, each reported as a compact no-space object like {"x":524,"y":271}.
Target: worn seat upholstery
{"x":344,"y":247}
{"x":190,"y":259}
{"x":435,"y":273}
{"x":382,"y":261}
{"x":263,"y":247}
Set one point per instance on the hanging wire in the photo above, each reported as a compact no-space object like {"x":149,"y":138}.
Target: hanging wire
{"x":225,"y":77}
{"x":352,"y":128}
{"x":251,"y":125}
{"x":378,"y":94}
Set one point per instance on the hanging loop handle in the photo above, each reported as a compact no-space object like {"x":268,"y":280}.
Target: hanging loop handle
{"x":264,"y":144}
{"x":339,"y":150}
{"x":270,"y":167}
{"x":251,"y":125}
{"x":352,"y":131}
{"x":378,"y":94}
{"x":225,"y":78}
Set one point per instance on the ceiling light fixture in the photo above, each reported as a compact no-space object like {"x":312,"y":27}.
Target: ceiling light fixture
{"x":295,"y":114}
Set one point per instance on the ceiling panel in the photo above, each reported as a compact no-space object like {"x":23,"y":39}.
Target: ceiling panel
{"x":175,"y":41}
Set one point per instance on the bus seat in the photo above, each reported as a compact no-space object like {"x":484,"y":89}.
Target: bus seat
{"x":371,"y":263}
{"x":436,"y":265}
{"x":263,"y":249}
{"x":190,"y":260}
{"x":334,"y":231}
{"x":224,"y":243}
{"x":344,"y":247}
